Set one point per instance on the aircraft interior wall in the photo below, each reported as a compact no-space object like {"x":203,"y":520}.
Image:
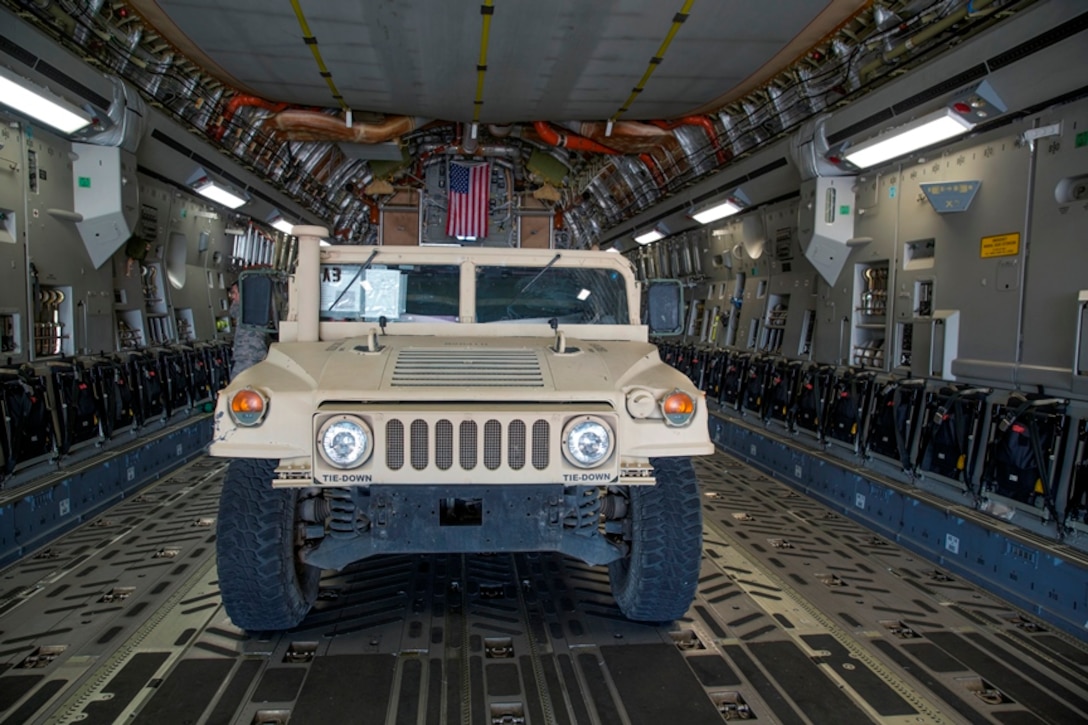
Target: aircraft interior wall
{"x":974,"y":286}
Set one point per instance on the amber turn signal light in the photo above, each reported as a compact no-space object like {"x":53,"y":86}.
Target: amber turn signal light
{"x":247,"y":407}
{"x":678,"y":408}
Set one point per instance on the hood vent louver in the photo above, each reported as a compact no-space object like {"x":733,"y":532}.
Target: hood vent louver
{"x":441,"y":367}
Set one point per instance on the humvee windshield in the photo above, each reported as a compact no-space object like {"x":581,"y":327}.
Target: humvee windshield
{"x":429,"y":293}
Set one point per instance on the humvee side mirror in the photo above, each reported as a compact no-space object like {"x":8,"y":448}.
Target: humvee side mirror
{"x":665,"y":306}
{"x":256,"y":300}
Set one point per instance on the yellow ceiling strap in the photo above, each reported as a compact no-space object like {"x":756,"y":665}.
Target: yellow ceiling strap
{"x":310,"y":40}
{"x":677,"y":21}
{"x":486,"y":10}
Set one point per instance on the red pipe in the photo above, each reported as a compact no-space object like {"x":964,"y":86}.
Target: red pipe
{"x":707,"y":126}
{"x":576,"y":143}
{"x":239,"y":101}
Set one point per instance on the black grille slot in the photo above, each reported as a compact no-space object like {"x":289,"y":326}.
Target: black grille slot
{"x":17,"y":52}
{"x":394,"y":445}
{"x":516,"y":446}
{"x":492,"y":444}
{"x":72,"y":84}
{"x":468,"y":444}
{"x":944,"y":87}
{"x":420,"y":444}
{"x":541,"y":444}
{"x":1039,"y":42}
{"x":443,"y":444}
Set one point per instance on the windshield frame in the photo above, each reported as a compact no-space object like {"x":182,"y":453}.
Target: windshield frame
{"x":302,"y":322}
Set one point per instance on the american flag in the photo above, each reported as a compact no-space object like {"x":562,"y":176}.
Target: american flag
{"x":470,"y":187}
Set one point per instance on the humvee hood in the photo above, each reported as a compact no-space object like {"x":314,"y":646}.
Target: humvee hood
{"x":415,"y":367}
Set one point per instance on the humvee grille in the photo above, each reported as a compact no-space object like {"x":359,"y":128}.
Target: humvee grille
{"x":500,"y":446}
{"x":439,"y":367}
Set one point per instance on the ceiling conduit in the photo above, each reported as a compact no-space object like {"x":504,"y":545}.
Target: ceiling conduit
{"x":703,"y":122}
{"x":303,"y":125}
{"x":569,"y":141}
{"x":242,"y":101}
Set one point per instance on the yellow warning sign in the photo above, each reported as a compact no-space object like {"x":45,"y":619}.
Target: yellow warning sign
{"x":1002,"y":245}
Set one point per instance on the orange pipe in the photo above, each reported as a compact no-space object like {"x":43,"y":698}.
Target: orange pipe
{"x":576,"y":143}
{"x":239,"y":101}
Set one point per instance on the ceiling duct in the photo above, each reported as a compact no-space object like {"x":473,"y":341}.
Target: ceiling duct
{"x":809,"y":150}
{"x":125,"y":126}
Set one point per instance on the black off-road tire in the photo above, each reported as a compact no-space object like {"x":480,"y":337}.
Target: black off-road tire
{"x":264,"y":585}
{"x":656,"y":581}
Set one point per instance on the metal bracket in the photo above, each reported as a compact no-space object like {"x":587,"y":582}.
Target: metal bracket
{"x":1034,"y":134}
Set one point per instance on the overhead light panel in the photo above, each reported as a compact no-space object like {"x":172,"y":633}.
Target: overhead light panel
{"x":721,"y":210}
{"x":24,"y":97}
{"x":649,"y":237}
{"x":928,"y":130}
{"x":218,"y":193}
{"x":277,"y":221}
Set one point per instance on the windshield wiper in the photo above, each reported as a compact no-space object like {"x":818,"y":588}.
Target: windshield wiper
{"x":365,"y":267}
{"x":543,"y":269}
{"x":510,"y":313}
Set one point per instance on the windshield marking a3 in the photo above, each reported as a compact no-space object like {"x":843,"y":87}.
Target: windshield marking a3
{"x":397,"y":292}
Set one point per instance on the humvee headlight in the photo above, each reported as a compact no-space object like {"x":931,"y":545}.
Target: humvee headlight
{"x":678,"y":408}
{"x":345,"y":441}
{"x":248,"y":407}
{"x":587,"y":442}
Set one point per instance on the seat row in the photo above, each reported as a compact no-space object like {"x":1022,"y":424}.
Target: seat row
{"x":1020,"y":450}
{"x":53,"y":408}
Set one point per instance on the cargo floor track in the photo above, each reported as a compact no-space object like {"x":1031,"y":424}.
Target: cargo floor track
{"x":801,"y":616}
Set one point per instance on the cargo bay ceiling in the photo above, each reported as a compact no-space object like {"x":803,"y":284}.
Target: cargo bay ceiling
{"x":598,"y":109}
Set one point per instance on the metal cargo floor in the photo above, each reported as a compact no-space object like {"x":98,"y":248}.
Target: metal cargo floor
{"x":802,"y":616}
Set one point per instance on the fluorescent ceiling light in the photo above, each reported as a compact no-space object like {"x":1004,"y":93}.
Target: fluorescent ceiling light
{"x":218,"y":193}
{"x":278,"y":222}
{"x":918,"y":134}
{"x":584,"y":295}
{"x":729,"y":207}
{"x":21,"y":95}
{"x":651,"y":236}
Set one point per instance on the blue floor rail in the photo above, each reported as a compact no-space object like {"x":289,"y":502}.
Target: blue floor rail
{"x":1044,"y":578}
{"x":33,"y":514}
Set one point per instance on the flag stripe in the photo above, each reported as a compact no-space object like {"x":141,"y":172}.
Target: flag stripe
{"x":469,"y":192}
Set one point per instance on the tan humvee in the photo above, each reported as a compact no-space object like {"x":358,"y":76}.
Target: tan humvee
{"x":434,"y":399}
